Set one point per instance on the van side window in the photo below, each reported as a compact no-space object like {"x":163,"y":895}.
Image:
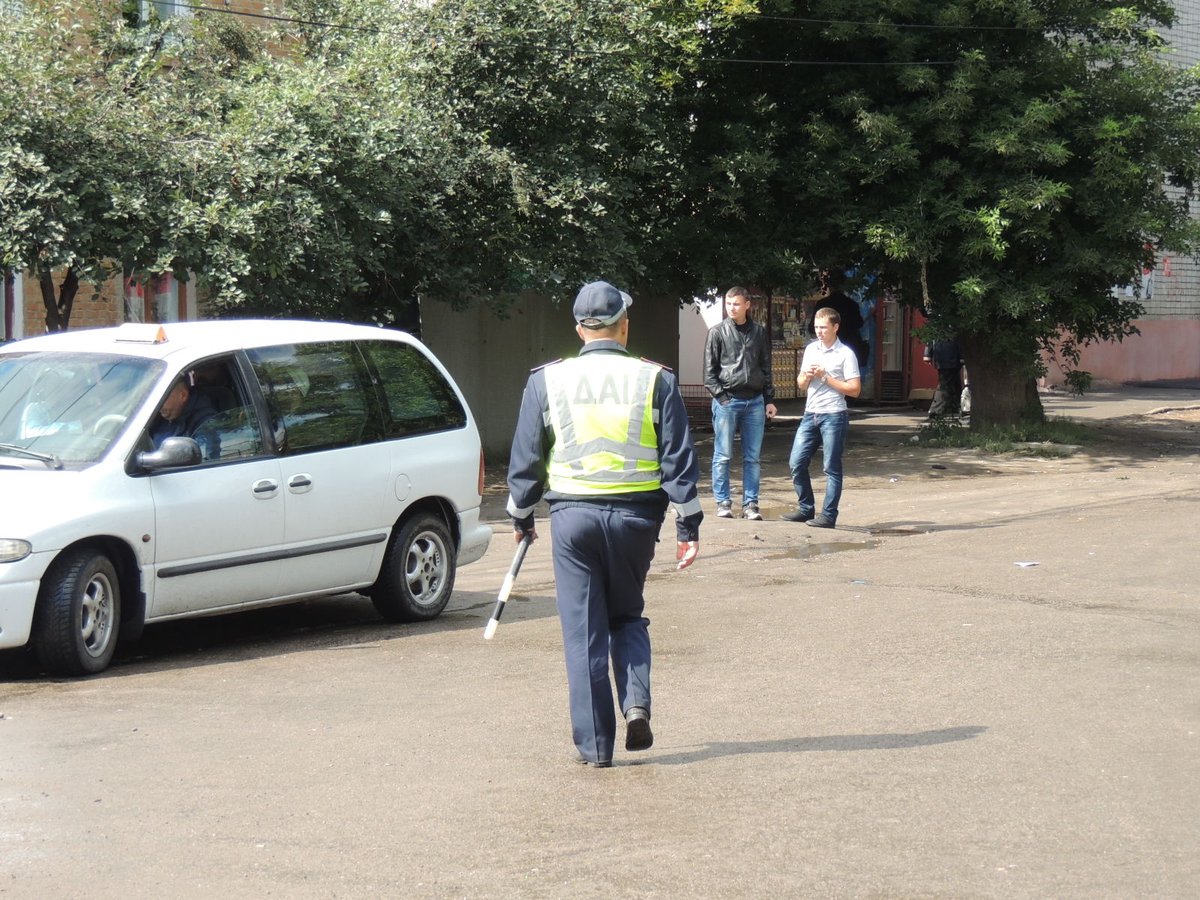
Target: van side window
{"x":315,"y":394}
{"x":417,"y":397}
{"x":233,"y":432}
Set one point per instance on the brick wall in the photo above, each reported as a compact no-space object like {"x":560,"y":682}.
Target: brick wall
{"x":94,"y":307}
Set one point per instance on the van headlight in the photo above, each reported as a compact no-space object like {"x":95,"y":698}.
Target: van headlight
{"x":12,"y":550}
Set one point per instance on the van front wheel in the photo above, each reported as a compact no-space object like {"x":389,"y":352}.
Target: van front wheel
{"x":417,"y":576}
{"x":78,"y":614}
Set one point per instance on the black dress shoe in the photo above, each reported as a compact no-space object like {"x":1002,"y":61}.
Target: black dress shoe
{"x":796,"y":515}
{"x":638,"y":735}
{"x":821,"y":521}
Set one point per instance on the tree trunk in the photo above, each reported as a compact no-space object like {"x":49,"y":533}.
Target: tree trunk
{"x":1003,"y":392}
{"x":59,"y":305}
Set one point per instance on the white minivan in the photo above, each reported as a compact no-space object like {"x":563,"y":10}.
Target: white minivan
{"x":154,"y":472}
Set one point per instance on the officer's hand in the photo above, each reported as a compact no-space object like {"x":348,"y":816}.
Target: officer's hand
{"x":686,"y":552}
{"x":522,"y":527}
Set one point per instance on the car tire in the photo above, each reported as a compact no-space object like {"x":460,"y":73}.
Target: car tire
{"x":78,"y":614}
{"x":417,"y":576}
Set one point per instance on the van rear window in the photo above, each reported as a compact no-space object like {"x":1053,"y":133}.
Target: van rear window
{"x":418,"y":398}
{"x":315,"y":394}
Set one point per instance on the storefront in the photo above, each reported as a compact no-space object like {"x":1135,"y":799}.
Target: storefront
{"x":786,"y":329}
{"x":893,"y":366}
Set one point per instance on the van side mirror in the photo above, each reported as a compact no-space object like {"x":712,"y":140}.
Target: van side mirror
{"x":175,"y":453}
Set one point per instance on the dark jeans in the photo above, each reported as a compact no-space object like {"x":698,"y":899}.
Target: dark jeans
{"x":948,"y":394}
{"x":601,"y":557}
{"x":828,"y":430}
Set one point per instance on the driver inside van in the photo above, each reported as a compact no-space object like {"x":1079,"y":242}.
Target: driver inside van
{"x":183,"y":414}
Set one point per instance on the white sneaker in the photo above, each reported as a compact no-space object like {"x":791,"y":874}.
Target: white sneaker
{"x":750,"y":511}
{"x":724,"y":509}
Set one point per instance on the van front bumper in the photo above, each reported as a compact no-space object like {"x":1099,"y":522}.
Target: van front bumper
{"x":19,"y":584}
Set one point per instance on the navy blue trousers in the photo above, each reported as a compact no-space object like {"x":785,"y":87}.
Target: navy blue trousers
{"x":601,"y":557}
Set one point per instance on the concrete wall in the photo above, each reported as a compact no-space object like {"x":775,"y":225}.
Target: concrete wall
{"x":1166,"y":350}
{"x":695,"y":319}
{"x":490,"y":357}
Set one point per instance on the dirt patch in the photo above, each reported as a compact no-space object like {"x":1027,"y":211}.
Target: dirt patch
{"x":1166,"y":431}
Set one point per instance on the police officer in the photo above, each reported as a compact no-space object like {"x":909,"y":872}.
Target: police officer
{"x":604,"y":439}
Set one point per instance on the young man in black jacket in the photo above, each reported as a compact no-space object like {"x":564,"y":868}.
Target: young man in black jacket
{"x":737,"y":372}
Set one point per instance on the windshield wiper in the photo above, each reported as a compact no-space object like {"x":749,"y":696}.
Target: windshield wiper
{"x":48,"y":458}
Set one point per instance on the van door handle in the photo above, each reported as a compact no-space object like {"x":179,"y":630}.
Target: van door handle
{"x":300,"y":484}
{"x":265,"y":488}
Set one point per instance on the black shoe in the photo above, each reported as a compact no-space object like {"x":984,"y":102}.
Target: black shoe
{"x":821,"y":521}
{"x":638,"y":735}
{"x":797,"y":515}
{"x":594,"y":763}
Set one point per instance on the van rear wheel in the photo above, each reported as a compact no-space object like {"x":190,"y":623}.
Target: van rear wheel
{"x":417,"y":576}
{"x":78,"y":614}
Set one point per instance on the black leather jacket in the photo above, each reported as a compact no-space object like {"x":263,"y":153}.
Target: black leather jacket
{"x":737,"y":365}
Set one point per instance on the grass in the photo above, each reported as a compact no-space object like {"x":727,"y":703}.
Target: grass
{"x":1008,"y":438}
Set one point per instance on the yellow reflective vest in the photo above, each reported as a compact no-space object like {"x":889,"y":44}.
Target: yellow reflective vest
{"x":601,"y":409}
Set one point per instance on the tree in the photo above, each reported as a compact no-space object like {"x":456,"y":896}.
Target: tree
{"x":461,"y":151}
{"x":78,"y":159}
{"x":564,"y":138}
{"x":1005,"y":164}
{"x":1002,"y":164}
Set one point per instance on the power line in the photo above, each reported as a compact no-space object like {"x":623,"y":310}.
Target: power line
{"x":825,"y":62}
{"x":284,"y":19}
{"x":909,"y":25}
{"x":867,"y":24}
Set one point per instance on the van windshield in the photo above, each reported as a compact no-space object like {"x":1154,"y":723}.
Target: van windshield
{"x":69,"y":406}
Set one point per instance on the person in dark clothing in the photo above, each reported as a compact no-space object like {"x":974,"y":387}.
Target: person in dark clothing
{"x":603,"y":438}
{"x":737,"y":372}
{"x":946,"y":356}
{"x":183,"y":414}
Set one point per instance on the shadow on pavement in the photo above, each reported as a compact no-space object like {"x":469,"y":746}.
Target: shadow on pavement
{"x":832,"y":743}
{"x":342,"y":622}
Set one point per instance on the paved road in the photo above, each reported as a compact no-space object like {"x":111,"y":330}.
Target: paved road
{"x":985,"y":685}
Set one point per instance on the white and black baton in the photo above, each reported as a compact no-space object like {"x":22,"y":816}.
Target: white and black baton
{"x":507,"y":586}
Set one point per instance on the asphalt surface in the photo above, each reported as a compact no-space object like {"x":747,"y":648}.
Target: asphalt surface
{"x":984,"y":683}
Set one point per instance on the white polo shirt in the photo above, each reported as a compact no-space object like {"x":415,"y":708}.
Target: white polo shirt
{"x":839,"y":363}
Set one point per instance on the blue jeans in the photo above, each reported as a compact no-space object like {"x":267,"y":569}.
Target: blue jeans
{"x":829,"y":430}
{"x":750,"y":418}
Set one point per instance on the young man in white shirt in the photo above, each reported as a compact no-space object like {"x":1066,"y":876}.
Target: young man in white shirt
{"x":829,"y":374}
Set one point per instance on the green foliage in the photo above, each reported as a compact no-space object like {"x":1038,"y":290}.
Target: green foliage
{"x":1078,"y":382}
{"x":460,"y":150}
{"x":1002,"y":164}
